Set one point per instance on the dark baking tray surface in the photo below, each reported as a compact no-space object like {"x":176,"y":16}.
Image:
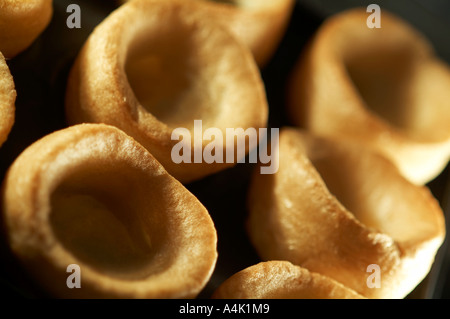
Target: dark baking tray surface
{"x":40,"y":75}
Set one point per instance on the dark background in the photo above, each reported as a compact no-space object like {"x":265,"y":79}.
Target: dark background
{"x":40,"y":75}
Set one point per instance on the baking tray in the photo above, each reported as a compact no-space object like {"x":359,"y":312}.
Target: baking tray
{"x":40,"y":75}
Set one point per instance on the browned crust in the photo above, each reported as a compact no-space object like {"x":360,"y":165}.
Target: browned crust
{"x":294,"y":216}
{"x":323,"y":98}
{"x":98,"y":89}
{"x":182,"y":237}
{"x":281,"y":280}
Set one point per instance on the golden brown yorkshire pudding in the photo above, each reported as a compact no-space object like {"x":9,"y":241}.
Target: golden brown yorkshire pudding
{"x":153,"y":66}
{"x":7,"y":100}
{"x":90,"y":195}
{"x":21,"y":22}
{"x":281,"y":280}
{"x":337,"y":208}
{"x":383,"y":87}
{"x":260,"y":24}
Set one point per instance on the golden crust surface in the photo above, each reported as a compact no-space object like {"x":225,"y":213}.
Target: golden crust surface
{"x":7,"y":100}
{"x":281,"y":280}
{"x":92,"y":196}
{"x":21,"y":22}
{"x":383,"y":87}
{"x":335,"y":208}
{"x":148,"y":76}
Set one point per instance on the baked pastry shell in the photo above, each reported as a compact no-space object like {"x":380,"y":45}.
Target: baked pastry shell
{"x":385,"y":88}
{"x":92,"y":196}
{"x":148,"y":78}
{"x":277,"y":279}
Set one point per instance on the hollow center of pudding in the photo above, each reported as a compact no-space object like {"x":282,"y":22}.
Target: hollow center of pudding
{"x":382,"y":203}
{"x":102,"y":219}
{"x":388,"y":81}
{"x":175,"y":75}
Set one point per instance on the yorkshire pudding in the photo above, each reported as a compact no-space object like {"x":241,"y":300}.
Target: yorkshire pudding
{"x":335,"y":208}
{"x":383,"y":87}
{"x":90,"y":195}
{"x":281,"y":280}
{"x":21,"y":22}
{"x":7,"y":100}
{"x":153,"y":66}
